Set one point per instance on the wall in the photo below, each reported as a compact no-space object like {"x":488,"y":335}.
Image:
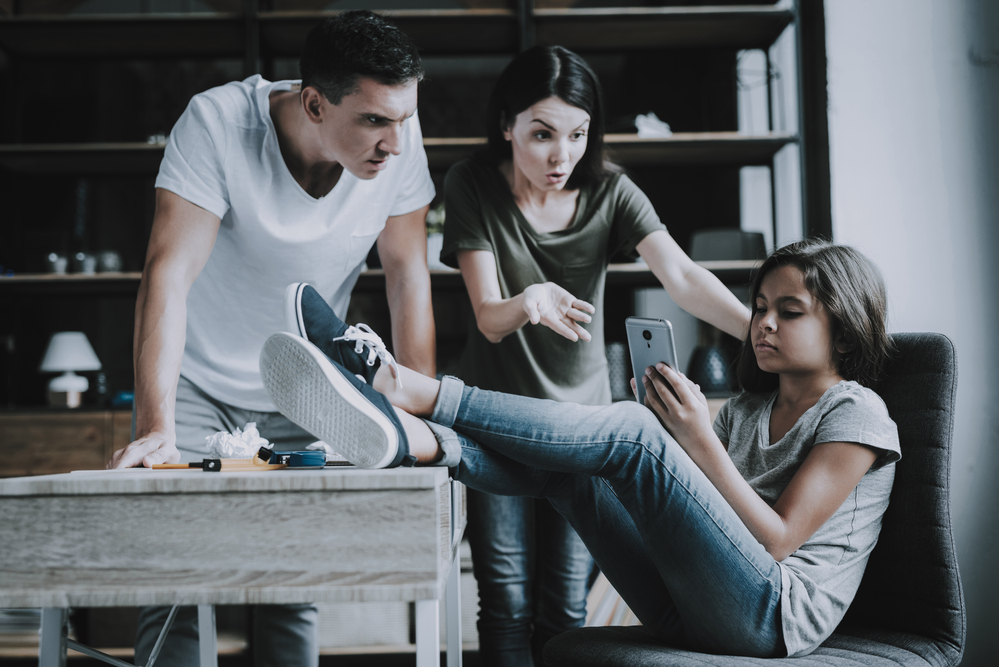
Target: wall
{"x":914,"y":139}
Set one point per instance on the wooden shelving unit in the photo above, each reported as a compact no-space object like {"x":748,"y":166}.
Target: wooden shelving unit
{"x":216,"y":35}
{"x":435,"y":31}
{"x":696,"y":148}
{"x":124,"y":158}
{"x":467,"y":31}
{"x":612,"y":29}
{"x":625,"y":149}
{"x":240,"y":30}
{"x":372,"y":280}
{"x":473,"y":31}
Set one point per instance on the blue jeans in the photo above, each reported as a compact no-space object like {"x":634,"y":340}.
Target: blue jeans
{"x":659,"y":530}
{"x":532,"y":572}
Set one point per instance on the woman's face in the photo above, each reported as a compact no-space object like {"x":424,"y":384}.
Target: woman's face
{"x":548,"y":139}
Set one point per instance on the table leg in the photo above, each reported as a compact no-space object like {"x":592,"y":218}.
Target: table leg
{"x":52,"y":643}
{"x":452,"y":611}
{"x":428,"y":633}
{"x":208,"y":647}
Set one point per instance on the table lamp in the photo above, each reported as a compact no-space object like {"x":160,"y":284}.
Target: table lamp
{"x":68,"y":351}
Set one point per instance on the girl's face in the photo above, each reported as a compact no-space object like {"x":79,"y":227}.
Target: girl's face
{"x":548,"y":139}
{"x":791,"y":330}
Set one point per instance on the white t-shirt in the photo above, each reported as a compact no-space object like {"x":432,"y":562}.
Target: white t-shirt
{"x":223,"y":156}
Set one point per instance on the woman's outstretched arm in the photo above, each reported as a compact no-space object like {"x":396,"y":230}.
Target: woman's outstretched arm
{"x":822,"y":484}
{"x":694,"y":288}
{"x":544,"y":303}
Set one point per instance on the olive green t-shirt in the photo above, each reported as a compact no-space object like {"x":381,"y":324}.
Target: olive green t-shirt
{"x":481,"y":214}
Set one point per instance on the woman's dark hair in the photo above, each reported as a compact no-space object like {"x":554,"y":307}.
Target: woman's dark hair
{"x":851,"y":289}
{"x":537,"y":74}
{"x":354,"y":44}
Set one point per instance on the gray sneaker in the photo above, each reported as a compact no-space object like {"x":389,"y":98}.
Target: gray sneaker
{"x":357,"y":348}
{"x":333,"y":404}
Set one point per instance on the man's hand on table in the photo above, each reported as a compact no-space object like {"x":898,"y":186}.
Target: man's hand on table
{"x":147,"y":451}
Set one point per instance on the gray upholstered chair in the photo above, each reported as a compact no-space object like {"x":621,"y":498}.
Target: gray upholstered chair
{"x":909,"y":609}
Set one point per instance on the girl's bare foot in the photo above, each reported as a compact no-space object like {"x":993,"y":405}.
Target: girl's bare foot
{"x":422,"y":443}
{"x":416,"y":393}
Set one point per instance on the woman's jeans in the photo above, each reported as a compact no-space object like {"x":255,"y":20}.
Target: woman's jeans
{"x":532,"y":572}
{"x":659,"y":530}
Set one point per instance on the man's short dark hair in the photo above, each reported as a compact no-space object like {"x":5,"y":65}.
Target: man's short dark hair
{"x":357,"y":44}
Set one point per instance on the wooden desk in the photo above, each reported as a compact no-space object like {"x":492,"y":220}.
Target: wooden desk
{"x":141,"y":537}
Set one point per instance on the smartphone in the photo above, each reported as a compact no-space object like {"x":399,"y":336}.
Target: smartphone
{"x":650,"y":341}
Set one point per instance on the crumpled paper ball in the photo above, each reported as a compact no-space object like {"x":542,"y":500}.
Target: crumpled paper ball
{"x":241,"y":444}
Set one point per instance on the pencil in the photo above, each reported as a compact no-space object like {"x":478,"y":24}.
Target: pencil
{"x":222,"y":465}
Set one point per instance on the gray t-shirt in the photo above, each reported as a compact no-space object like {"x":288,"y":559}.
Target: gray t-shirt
{"x":820,"y":579}
{"x":481,"y":214}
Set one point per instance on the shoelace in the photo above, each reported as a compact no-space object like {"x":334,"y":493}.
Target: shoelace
{"x":363,"y":337}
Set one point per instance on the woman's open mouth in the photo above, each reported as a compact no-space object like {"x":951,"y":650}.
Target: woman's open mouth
{"x":555,"y":177}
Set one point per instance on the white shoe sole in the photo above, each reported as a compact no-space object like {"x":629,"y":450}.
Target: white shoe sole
{"x":293,"y":321}
{"x":309,"y":391}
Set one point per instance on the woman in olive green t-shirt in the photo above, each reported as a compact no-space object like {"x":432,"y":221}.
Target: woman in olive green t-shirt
{"x":532,"y":223}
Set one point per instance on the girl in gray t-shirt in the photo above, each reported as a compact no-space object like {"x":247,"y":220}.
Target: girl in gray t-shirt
{"x":749,"y":538}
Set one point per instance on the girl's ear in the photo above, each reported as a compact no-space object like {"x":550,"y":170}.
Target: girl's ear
{"x":505,"y":127}
{"x":845,"y":343}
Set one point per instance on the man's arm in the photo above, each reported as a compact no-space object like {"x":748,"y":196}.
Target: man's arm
{"x":181,"y":241}
{"x":402,"y":247}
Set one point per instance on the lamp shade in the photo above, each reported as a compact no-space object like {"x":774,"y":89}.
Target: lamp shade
{"x":69,"y":351}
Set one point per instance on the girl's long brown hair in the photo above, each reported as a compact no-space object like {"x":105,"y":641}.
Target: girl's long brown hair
{"x":850,"y":287}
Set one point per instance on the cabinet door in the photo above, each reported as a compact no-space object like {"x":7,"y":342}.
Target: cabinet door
{"x":47,"y":443}
{"x":121,"y":431}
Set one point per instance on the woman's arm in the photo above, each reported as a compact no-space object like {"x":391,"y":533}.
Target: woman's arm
{"x":821,"y":485}
{"x":694,"y":288}
{"x":544,"y":303}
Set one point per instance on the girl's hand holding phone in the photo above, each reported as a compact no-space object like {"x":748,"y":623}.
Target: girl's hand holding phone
{"x":685,"y":414}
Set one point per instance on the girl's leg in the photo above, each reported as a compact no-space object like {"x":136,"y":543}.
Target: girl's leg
{"x":725,"y":586}
{"x":693,"y":588}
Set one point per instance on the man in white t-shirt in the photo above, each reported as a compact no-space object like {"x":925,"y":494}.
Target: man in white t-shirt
{"x":264,"y":184}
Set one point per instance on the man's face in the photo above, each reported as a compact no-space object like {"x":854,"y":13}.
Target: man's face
{"x":365,"y":129}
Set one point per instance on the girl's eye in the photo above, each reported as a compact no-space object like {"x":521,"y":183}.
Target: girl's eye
{"x":579,"y":135}
{"x":791,"y":314}
{"x":541,"y":135}
{"x":760,"y":310}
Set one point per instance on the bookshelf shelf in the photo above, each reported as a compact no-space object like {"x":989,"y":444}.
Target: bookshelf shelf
{"x":631,"y":275}
{"x":138,"y":158}
{"x":206,"y":35}
{"x":612,"y":29}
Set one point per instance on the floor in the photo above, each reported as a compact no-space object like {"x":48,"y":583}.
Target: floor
{"x":469,"y":659}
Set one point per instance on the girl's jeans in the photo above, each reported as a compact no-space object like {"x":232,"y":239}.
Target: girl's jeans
{"x":659,"y":530}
